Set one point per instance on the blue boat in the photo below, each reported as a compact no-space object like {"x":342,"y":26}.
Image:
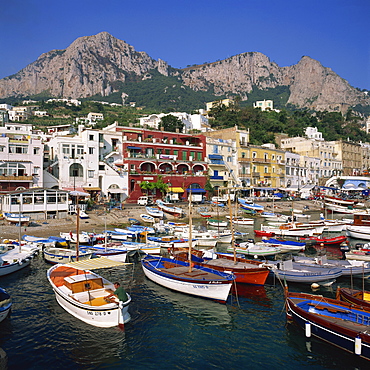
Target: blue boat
{"x":344,"y":325}
{"x":5,"y":304}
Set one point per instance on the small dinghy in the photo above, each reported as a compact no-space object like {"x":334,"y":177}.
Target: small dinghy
{"x":147,"y":218}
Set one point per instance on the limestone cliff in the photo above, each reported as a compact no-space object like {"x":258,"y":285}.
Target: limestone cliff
{"x":101,"y":64}
{"x":90,"y":65}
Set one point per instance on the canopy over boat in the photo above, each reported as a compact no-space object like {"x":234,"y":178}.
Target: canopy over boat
{"x":96,"y":263}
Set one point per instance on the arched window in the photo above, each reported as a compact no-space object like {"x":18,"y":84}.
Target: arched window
{"x":75,"y":170}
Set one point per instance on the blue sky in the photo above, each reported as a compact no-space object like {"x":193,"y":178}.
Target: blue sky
{"x":334,"y":32}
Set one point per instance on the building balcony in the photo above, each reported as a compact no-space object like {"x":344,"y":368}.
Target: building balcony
{"x":15,"y":178}
{"x":240,"y":159}
{"x":216,"y":178}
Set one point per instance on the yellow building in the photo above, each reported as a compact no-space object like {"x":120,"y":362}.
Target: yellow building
{"x":257,"y":165}
{"x":225,"y":102}
{"x":262,"y":165}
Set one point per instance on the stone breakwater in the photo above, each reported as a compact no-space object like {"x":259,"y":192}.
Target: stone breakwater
{"x":119,"y":218}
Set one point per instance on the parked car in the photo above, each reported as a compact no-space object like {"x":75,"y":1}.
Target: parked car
{"x":145,"y":201}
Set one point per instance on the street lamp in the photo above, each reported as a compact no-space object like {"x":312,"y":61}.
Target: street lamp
{"x":170,"y":186}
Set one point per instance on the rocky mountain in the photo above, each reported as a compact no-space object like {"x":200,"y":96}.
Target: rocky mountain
{"x":102,"y":65}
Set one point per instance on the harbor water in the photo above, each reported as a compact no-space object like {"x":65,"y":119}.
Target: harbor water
{"x":168,"y":330}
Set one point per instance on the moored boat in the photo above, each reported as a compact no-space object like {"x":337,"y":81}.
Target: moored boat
{"x":194,"y":280}
{"x":326,"y":241}
{"x":5,"y":304}
{"x":344,"y":325}
{"x":63,"y":255}
{"x":300,"y":273}
{"x":252,"y":249}
{"x":14,"y":258}
{"x":354,"y":296}
{"x":216,"y":223}
{"x":82,"y":293}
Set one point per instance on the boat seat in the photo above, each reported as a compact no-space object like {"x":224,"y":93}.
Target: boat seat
{"x":99,"y":301}
{"x":330,"y":309}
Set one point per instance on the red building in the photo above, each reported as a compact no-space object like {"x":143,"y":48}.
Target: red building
{"x":178,"y":159}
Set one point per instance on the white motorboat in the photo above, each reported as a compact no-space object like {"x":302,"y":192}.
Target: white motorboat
{"x":217,"y":223}
{"x":64,"y":255}
{"x":204,"y":238}
{"x":84,"y":238}
{"x":358,"y":232}
{"x":255,"y":249}
{"x":300,"y":273}
{"x":82,"y":293}
{"x":289,"y":230}
{"x":13,"y":258}
{"x":242,"y":221}
{"x":5,"y":304}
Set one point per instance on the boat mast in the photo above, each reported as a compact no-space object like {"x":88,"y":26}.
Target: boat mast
{"x":232,"y":227}
{"x":77,"y":229}
{"x":105,"y":229}
{"x":190,"y":231}
{"x":20,"y":223}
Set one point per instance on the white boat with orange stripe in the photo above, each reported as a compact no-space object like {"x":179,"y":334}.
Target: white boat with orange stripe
{"x":82,"y":293}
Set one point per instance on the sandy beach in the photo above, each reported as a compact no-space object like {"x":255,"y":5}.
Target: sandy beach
{"x":119,"y":218}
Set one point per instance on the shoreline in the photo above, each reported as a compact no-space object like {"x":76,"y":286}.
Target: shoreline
{"x":119,"y":218}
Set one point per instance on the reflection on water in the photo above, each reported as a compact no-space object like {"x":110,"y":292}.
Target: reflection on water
{"x":203,"y":312}
{"x":168,"y":330}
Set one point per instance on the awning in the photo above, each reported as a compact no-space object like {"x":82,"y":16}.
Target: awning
{"x":76,"y":193}
{"x":96,"y":263}
{"x":196,"y":191}
{"x":116,"y":191}
{"x":175,"y":190}
{"x":91,"y":188}
{"x":134,"y":147}
{"x":215,"y":156}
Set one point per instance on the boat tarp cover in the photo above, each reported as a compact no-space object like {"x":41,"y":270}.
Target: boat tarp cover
{"x":96,"y":263}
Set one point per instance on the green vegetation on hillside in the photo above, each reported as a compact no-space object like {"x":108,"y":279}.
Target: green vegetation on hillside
{"x":264,"y":125}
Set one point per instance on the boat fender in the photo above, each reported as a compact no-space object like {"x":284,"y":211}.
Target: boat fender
{"x":307,"y":326}
{"x":358,"y":345}
{"x":20,"y":262}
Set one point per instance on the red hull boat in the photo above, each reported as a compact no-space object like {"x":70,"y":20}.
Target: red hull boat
{"x":263,"y":233}
{"x":327,"y":241}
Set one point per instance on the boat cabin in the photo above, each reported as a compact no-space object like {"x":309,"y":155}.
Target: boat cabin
{"x":361,"y":219}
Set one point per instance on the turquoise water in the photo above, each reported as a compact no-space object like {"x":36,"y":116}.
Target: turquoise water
{"x":168,"y":330}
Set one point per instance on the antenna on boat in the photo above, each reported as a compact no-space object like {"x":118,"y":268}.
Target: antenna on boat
{"x":190,"y":232}
{"x":232,"y":226}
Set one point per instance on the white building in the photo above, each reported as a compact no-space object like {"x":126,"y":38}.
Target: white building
{"x":21,"y":161}
{"x":81,"y":162}
{"x":191,"y":121}
{"x":265,"y":105}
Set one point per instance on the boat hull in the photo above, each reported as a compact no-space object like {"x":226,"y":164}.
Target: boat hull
{"x":5,"y":304}
{"x":334,"y":331}
{"x":104,"y":316}
{"x":358,"y":232}
{"x":61,"y":255}
{"x":218,"y":291}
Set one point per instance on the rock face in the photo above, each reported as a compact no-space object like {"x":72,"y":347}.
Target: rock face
{"x":101,"y":64}
{"x":90,"y":65}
